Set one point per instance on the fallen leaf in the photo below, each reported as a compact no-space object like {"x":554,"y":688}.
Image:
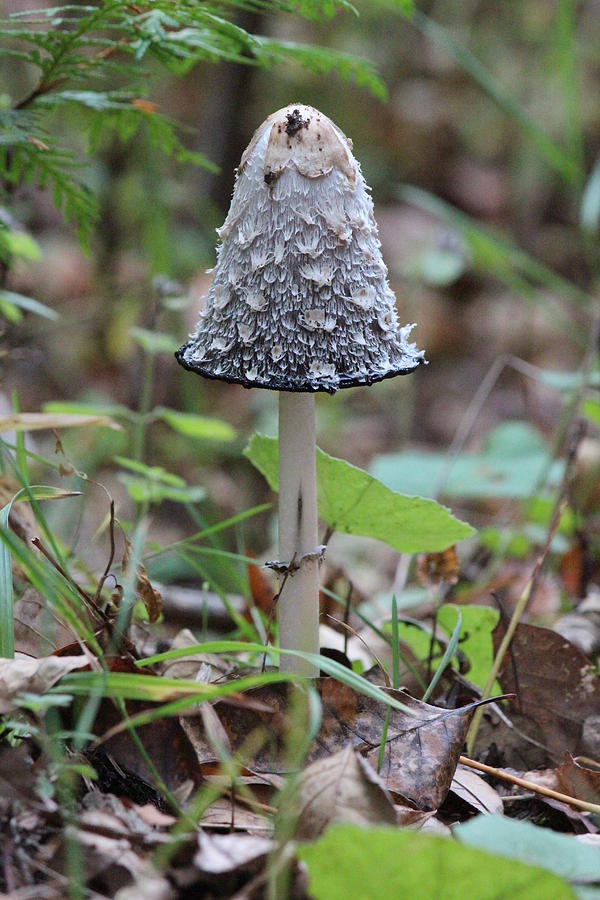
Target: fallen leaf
{"x":578,"y":780}
{"x":34,"y":676}
{"x":220,"y":854}
{"x":556,"y":687}
{"x":422,"y":746}
{"x":225,"y":814}
{"x":342,"y":788}
{"x":475,"y":791}
{"x":41,"y":421}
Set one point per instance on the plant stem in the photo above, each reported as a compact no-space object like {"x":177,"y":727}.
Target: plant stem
{"x":298,"y":536}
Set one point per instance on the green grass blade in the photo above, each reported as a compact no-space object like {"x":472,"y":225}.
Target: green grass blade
{"x":7,"y":626}
{"x":554,"y":156}
{"x":498,"y":256}
{"x":567,"y":47}
{"x":448,"y":654}
{"x":329,"y":666}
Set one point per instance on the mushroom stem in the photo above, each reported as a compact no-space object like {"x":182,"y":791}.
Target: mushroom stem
{"x":298,"y":537}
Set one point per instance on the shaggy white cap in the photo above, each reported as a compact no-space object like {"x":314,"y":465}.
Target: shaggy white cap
{"x":300,"y":299}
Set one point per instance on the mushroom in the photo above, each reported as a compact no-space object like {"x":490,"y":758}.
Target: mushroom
{"x":299,"y":303}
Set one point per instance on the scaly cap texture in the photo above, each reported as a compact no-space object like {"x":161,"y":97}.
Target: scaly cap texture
{"x":299,"y":299}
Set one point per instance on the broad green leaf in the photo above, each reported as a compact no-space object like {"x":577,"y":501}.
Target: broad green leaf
{"x":513,"y":461}
{"x":200,"y":427}
{"x":41,"y":421}
{"x":37,"y":492}
{"x":151,"y":473}
{"x":353,"y":502}
{"x":561,"y":854}
{"x":475,"y":639}
{"x":154,"y":341}
{"x":385,"y":862}
{"x":144,"y":490}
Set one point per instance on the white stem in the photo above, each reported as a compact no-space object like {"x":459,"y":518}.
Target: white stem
{"x":299,"y":601}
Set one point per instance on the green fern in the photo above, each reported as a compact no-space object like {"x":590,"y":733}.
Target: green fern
{"x":92,"y":56}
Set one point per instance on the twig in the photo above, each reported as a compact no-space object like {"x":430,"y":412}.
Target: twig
{"x":529,"y":785}
{"x":287,"y":572}
{"x":111,"y":554}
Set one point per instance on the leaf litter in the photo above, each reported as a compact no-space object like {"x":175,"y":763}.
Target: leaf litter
{"x":197,"y":795}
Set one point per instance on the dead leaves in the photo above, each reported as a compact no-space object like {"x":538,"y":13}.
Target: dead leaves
{"x":421,"y":751}
{"x":342,"y":788}
{"x":557,"y":689}
{"x":33,"y":676}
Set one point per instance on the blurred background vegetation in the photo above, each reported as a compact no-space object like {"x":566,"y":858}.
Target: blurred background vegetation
{"x":479,"y":137}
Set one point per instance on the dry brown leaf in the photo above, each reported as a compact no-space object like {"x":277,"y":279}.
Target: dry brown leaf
{"x":44,"y":421}
{"x":342,"y":788}
{"x":225,"y":813}
{"x":220,"y":854}
{"x":475,"y":791}
{"x":577,"y":780}
{"x":149,"y":596}
{"x":556,"y":687}
{"x":422,"y":748}
{"x":35,"y":676}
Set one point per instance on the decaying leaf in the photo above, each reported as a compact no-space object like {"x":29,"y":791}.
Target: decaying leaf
{"x":44,"y":421}
{"x":556,"y":687}
{"x":579,"y":780}
{"x":422,"y":746}
{"x":222,"y":853}
{"x":34,"y":676}
{"x":472,"y":788}
{"x":342,"y":788}
{"x":149,"y":596}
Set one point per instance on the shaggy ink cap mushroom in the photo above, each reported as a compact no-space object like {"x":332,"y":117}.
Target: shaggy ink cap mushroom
{"x":300,"y":299}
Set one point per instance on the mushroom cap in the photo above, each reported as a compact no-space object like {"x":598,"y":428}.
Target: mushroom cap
{"x":299,"y":299}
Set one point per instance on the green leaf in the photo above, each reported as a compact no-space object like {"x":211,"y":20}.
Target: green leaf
{"x":36,"y":492}
{"x":591,"y":410}
{"x":28,"y":304}
{"x":352,"y":501}
{"x":559,"y":160}
{"x":512,"y":463}
{"x":150,"y":473}
{"x":475,"y":638}
{"x":144,"y":490}
{"x":21,"y":245}
{"x":384,"y":862}
{"x":201,"y":428}
{"x":558,"y":853}
{"x":154,"y":341}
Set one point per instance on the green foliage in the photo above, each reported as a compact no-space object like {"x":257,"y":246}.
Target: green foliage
{"x":514,"y":462}
{"x":93,"y":56}
{"x":475,"y":636}
{"x":11,"y":305}
{"x":372,"y":863}
{"x":153,"y":484}
{"x":563,"y":855}
{"x":492,"y":253}
{"x":352,"y":501}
